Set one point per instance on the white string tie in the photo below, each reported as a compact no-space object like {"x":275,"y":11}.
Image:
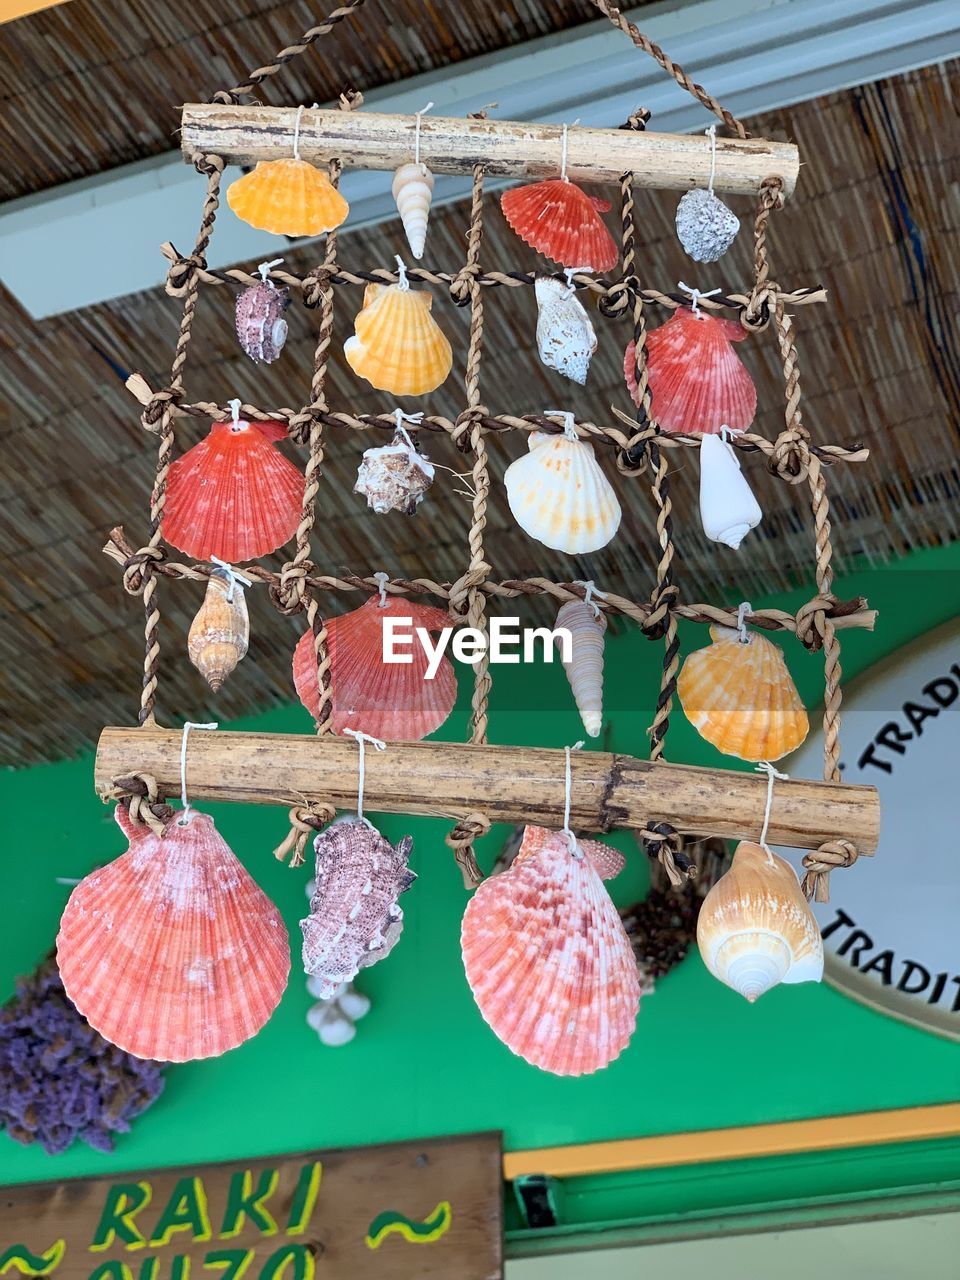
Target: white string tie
{"x":772,"y":774}
{"x":402,"y":281}
{"x":563,"y":150}
{"x":182,"y":820}
{"x":568,"y":787}
{"x":570,"y":272}
{"x":265,"y":268}
{"x":235,"y":404}
{"x":416,"y":137}
{"x":591,"y":595}
{"x":415,"y":420}
{"x":362,"y":769}
{"x":712,"y":135}
{"x":296,"y":132}
{"x":382,"y":580}
{"x":696,"y":295}
{"x":233,"y":577}
{"x":744,"y":611}
{"x":569,"y":419}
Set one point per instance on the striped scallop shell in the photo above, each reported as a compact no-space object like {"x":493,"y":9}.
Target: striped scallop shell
{"x":562,"y":222}
{"x":173,"y":951}
{"x":397,"y":345}
{"x":549,"y":962}
{"x":560,"y":496}
{"x":288,"y":198}
{"x":740,"y":697}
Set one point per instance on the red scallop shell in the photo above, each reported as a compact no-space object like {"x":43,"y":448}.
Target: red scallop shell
{"x":392,"y":701}
{"x":233,"y":495}
{"x":697,"y":381}
{"x":560,"y":221}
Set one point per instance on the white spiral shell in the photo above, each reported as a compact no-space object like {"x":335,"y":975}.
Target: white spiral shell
{"x":413,"y":192}
{"x":585,"y":668}
{"x":728,"y":509}
{"x":565,"y":337}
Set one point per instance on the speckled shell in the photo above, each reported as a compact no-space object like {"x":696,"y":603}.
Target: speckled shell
{"x":560,"y":496}
{"x":585,"y":668}
{"x":413,"y":192}
{"x":705,"y":226}
{"x":741,"y":697}
{"x":261,"y":327}
{"x":565,"y":337}
{"x":220,"y":633}
{"x":355,"y":918}
{"x":288,"y":198}
{"x":394,"y":477}
{"x":173,"y":952}
{"x":549,"y":961}
{"x":562,"y":222}
{"x":397,"y":345}
{"x":755,"y":928}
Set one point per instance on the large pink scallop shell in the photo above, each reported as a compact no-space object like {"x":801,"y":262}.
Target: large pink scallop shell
{"x":697,"y":381}
{"x":607,"y":861}
{"x":393,"y":701}
{"x":233,"y":495}
{"x":173,"y":951}
{"x":549,"y":961}
{"x":562,"y":222}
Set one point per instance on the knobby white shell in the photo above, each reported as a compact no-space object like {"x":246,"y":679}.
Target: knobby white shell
{"x":728,"y":509}
{"x":565,"y":337}
{"x":560,"y":496}
{"x":413,"y":191}
{"x":706,"y":228}
{"x":585,"y":668}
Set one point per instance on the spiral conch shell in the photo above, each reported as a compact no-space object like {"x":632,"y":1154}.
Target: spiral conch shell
{"x":738,"y":694}
{"x":560,"y":496}
{"x":397,"y":345}
{"x":755,"y":928}
{"x":585,"y":668}
{"x":289,"y":197}
{"x":413,"y":191}
{"x":565,"y":337}
{"x":220,"y":633}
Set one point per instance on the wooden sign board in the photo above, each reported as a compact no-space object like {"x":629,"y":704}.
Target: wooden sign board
{"x":427,"y":1210}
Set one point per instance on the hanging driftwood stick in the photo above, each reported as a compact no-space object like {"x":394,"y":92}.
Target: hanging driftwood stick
{"x":509,"y":784}
{"x":505,"y":148}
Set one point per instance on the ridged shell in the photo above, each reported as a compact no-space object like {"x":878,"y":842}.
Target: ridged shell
{"x":549,"y":962}
{"x":705,"y":226}
{"x":397,"y":345}
{"x":697,"y":381}
{"x":172,"y":951}
{"x":394,"y":477}
{"x":607,"y":861}
{"x":728,"y":509}
{"x":288,"y":198}
{"x":220,"y":633}
{"x":565,"y":337}
{"x":355,"y":919}
{"x":560,"y":221}
{"x":741,"y":698}
{"x":755,"y":928}
{"x":585,"y":668}
{"x":393,"y":701}
{"x":261,"y":327}
{"x":560,"y":496}
{"x":413,"y":192}
{"x":233,"y":495}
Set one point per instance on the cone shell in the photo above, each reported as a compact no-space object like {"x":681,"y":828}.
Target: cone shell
{"x":585,"y":668}
{"x":394,"y":477}
{"x":288,"y":198}
{"x":233,"y":495}
{"x":697,"y":381}
{"x":355,"y":919}
{"x":728,"y":509}
{"x":741,"y":698}
{"x":261,"y":327}
{"x":560,"y":496}
{"x":549,"y":962}
{"x":705,"y":226}
{"x":755,"y":928}
{"x":393,"y":701}
{"x":173,"y":952}
{"x":398,"y":346}
{"x":220,"y":633}
{"x":413,"y":191}
{"x":565,"y":337}
{"x":560,"y":221}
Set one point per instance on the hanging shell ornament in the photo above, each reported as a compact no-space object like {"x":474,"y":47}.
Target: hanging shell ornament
{"x":395,"y":476}
{"x":220,"y":633}
{"x":559,"y":495}
{"x":755,"y":928}
{"x":565,"y":337}
{"x":728,"y":509}
{"x":548,"y":959}
{"x":261,"y":327}
{"x":738,"y":694}
{"x":413,"y":192}
{"x":173,"y":951}
{"x":585,"y":668}
{"x":288,"y":197}
{"x":563,"y":223}
{"x":706,"y":228}
{"x":397,"y":345}
{"x":355,"y":917}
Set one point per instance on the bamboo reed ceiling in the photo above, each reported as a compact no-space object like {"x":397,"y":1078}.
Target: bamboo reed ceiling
{"x":875,"y":220}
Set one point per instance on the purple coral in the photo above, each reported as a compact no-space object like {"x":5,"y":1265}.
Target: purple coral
{"x":59,"y":1079}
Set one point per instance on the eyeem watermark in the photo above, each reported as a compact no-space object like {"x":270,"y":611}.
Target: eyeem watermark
{"x":507,"y":642}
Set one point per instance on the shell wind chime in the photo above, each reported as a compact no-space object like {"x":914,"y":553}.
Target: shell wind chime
{"x":397,"y":346}
{"x":584,"y":669}
{"x":220,"y":633}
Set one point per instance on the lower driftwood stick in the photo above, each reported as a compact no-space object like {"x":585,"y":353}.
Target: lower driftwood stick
{"x":508,"y":784}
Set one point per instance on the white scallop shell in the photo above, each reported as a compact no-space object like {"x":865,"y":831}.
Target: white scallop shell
{"x":565,"y":336}
{"x":728,"y":509}
{"x":585,"y":668}
{"x":705,"y":226}
{"x":560,"y":496}
{"x":413,"y":191}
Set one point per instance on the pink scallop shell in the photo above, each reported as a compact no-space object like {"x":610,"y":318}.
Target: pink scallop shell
{"x":607,"y":861}
{"x":233,"y":495}
{"x":697,"y":381}
{"x":560,"y":221}
{"x":173,"y":951}
{"x":393,"y":701}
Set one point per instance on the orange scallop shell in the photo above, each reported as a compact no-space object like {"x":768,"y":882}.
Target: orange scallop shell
{"x":397,"y":345}
{"x":233,"y":495}
{"x":288,"y":198}
{"x":697,"y":381}
{"x":173,"y":951}
{"x":393,"y":701}
{"x":560,"y":221}
{"x":549,"y":961}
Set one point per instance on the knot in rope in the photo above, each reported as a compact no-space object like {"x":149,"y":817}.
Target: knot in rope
{"x":617,"y":299}
{"x":208,"y":165}
{"x":464,"y":585}
{"x":157,"y":406}
{"x":818,"y":865}
{"x":461,"y":286}
{"x":183,"y":273}
{"x":138,"y":569}
{"x":469,"y":828}
{"x":289,"y":594}
{"x":637,"y":120}
{"x":316,"y":284}
{"x":790,"y":457}
{"x":468,"y":426}
{"x":755,"y":316}
{"x":811,"y":621}
{"x":662,"y":602}
{"x":140,"y":796}
{"x":772,"y":195}
{"x":305,"y":820}
{"x":664,"y":844}
{"x":300,"y":423}
{"x":633,"y":456}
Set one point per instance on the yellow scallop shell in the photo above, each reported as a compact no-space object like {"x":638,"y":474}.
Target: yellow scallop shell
{"x":398,"y":346}
{"x":288,"y":198}
{"x":741,"y":697}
